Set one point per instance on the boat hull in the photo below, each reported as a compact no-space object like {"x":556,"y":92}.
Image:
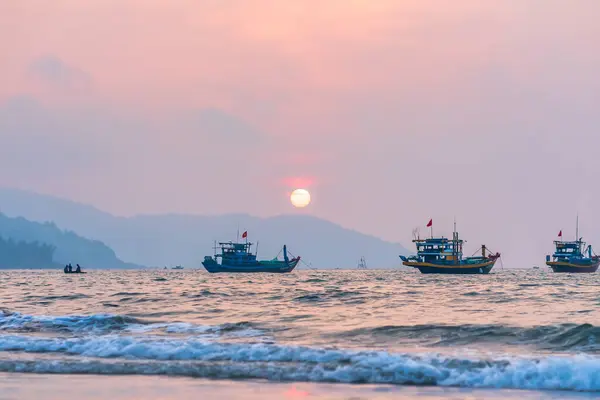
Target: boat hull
{"x":461,"y":269}
{"x":570,"y":268}
{"x":274,"y":267}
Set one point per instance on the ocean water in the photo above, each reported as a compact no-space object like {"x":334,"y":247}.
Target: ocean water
{"x":311,"y":334}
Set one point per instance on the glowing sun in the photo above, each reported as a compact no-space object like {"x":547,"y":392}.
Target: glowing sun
{"x":300,"y":198}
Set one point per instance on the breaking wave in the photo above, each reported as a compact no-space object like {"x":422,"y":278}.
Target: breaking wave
{"x":109,"y":323}
{"x":193,"y":358}
{"x":560,"y":337}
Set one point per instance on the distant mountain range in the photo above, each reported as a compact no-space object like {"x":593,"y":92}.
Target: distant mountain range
{"x":166,"y":240}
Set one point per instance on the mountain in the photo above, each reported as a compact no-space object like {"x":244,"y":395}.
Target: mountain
{"x":158,"y":240}
{"x":27,"y":244}
{"x":24,"y":254}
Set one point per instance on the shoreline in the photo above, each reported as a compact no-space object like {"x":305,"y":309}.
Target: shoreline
{"x":30,"y":386}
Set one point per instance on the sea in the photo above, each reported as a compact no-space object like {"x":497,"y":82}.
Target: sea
{"x":342,"y":334}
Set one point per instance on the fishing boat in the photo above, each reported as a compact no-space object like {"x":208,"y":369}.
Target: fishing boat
{"x":573,"y":256}
{"x":440,"y":255}
{"x":238,"y":257}
{"x":69,"y":269}
{"x":362,"y":264}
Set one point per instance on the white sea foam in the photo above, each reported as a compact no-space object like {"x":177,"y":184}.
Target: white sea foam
{"x":107,"y":323}
{"x":189,"y":357}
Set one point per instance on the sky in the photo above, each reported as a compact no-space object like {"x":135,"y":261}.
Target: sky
{"x":389,"y":112}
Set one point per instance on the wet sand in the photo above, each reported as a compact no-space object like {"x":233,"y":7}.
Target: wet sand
{"x":94,"y":387}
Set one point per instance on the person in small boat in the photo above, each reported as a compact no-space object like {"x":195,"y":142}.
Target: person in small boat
{"x":67,"y":269}
{"x":78,"y":270}
{"x":70,"y":268}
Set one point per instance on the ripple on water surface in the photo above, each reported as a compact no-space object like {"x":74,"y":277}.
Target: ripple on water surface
{"x":513,"y":329}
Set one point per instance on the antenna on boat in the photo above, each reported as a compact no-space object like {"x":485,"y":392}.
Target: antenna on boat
{"x":579,"y":243}
{"x":455,"y":239}
{"x":415,"y":234}
{"x":238,"y":232}
{"x":455,"y":235}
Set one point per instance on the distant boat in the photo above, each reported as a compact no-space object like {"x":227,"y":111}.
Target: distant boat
{"x":177,"y":267}
{"x":362,"y":264}
{"x":237,"y":257}
{"x":573,"y":257}
{"x":69,"y":269}
{"x":440,"y":255}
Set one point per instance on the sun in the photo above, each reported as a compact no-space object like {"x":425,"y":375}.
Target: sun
{"x":300,"y":198}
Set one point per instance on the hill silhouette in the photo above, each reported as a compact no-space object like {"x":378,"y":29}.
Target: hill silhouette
{"x":24,"y":254}
{"x":27,"y":244}
{"x":169,"y":239}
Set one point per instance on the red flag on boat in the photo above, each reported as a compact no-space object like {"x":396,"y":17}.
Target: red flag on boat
{"x":560,"y":234}
{"x":430,"y":223}
{"x":245,"y":234}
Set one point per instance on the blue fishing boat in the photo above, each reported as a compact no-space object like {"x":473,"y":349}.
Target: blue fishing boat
{"x":238,"y":257}
{"x":440,"y":255}
{"x":573,"y":256}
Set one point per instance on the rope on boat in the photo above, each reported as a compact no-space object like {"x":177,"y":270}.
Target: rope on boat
{"x":499,"y":258}
{"x":302,"y":261}
{"x":491,"y":252}
{"x":307,"y":265}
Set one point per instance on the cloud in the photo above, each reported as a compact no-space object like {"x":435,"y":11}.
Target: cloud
{"x":92,"y":153}
{"x":52,"y":70}
{"x":218,"y":125}
{"x":50,"y":147}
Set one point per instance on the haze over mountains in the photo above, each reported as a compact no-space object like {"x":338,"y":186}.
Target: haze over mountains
{"x":167,"y":240}
{"x":27,"y":244}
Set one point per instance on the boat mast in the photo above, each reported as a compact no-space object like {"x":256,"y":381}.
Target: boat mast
{"x":362,"y":264}
{"x":577,"y":233}
{"x":455,"y":239}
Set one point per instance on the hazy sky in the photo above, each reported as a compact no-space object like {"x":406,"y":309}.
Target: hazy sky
{"x":390,"y":112}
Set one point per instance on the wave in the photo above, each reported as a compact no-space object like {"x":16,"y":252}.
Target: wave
{"x":561,"y":337}
{"x":110,"y":323}
{"x":14,"y":321}
{"x":131,"y":355}
{"x":331,"y":294}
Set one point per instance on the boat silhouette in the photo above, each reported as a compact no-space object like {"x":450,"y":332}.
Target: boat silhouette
{"x":238,"y":257}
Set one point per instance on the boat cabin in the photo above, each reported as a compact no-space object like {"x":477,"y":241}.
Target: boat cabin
{"x":235,"y":253}
{"x":567,"y":250}
{"x":439,"y":249}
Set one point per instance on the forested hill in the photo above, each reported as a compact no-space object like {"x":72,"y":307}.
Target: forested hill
{"x":27,"y":244}
{"x":26,"y":254}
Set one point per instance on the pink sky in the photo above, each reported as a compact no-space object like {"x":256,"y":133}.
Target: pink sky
{"x":392,"y":112}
